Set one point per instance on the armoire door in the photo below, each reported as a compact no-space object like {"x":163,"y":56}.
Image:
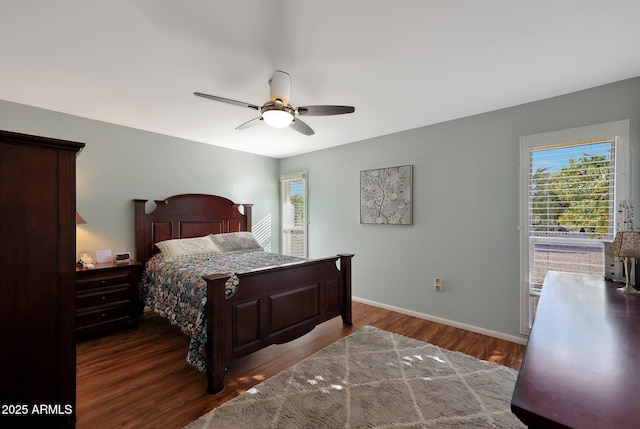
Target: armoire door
{"x":37,"y":278}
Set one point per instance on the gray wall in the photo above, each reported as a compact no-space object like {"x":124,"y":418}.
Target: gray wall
{"x":465,"y":178}
{"x":119,"y":164}
{"x":465,"y":193}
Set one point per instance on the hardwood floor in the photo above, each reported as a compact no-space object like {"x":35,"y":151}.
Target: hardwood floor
{"x":140,"y":379}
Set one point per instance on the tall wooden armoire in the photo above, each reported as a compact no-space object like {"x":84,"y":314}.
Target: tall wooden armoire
{"x":37,"y":281}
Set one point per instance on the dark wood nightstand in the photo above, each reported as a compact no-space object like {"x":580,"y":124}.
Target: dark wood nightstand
{"x":107,"y":296}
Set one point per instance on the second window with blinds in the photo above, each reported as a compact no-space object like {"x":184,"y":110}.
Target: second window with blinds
{"x":294,"y":214}
{"x":571,"y":182}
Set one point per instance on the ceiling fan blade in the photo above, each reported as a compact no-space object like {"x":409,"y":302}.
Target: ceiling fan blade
{"x":280,"y":85}
{"x":301,"y":127}
{"x":325,"y":110}
{"x":249,"y":124}
{"x":227,"y":100}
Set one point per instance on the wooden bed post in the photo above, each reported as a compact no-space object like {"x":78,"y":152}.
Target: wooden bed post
{"x":345,"y":269}
{"x":142,"y":251}
{"x":247,"y":217}
{"x":216,"y":353}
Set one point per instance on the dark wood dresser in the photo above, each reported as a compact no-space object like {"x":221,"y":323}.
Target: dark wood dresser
{"x":581,"y":368}
{"x":37,"y":290}
{"x":107,"y":297}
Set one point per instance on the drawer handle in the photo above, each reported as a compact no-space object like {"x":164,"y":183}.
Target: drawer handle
{"x":104,"y":315}
{"x":103,"y":281}
{"x":104,"y":297}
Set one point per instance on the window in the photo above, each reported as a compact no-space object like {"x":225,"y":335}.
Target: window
{"x":570,"y":183}
{"x":294,"y":214}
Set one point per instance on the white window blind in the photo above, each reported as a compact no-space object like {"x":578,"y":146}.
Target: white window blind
{"x":294,"y":214}
{"x":571,"y":189}
{"x":571,"y":207}
{"x":569,"y":200}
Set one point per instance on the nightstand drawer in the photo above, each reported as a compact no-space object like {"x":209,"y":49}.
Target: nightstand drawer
{"x":102,"y":297}
{"x":103,"y":315}
{"x":107,"y":297}
{"x":100,"y":280}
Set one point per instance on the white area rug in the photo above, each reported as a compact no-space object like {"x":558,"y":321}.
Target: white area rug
{"x":376,"y":379}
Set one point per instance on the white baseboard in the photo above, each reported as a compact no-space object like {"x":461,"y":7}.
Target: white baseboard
{"x":500,"y":335}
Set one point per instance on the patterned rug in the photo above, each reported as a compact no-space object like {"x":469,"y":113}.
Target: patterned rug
{"x":376,"y":379}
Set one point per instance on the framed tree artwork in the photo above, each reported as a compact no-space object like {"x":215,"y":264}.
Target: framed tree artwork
{"x":385,"y":196}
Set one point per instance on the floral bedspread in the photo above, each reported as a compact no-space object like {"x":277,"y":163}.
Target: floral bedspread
{"x":176,"y":290}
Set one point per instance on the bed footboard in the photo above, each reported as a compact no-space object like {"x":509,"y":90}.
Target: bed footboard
{"x":272,"y":306}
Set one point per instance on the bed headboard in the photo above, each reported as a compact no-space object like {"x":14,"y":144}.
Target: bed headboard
{"x":186,"y":216}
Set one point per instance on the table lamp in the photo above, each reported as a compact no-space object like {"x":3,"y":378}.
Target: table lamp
{"x":626,"y":246}
{"x":79,"y":220}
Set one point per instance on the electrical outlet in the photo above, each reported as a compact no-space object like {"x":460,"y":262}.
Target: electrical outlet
{"x":437,"y":284}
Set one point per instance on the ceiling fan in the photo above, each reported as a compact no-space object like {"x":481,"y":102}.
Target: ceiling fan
{"x":277,"y":112}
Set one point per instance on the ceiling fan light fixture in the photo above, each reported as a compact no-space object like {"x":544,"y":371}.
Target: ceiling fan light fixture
{"x":277,"y":112}
{"x":277,"y":117}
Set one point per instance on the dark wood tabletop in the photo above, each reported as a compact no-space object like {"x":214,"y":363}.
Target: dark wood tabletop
{"x":581,"y":368}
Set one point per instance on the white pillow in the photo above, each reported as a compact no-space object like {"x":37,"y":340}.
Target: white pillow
{"x":184,"y":248}
{"x":234,"y":241}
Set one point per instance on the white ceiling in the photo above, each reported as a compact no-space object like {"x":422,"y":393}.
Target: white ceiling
{"x":402,"y":64}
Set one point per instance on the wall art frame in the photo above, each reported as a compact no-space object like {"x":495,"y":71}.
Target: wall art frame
{"x":386,"y":196}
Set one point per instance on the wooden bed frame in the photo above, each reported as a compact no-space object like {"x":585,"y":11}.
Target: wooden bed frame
{"x":271,"y":306}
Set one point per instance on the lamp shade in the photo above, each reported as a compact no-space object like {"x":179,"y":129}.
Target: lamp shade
{"x":277,"y":118}
{"x":79,"y":219}
{"x":625,"y":245}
